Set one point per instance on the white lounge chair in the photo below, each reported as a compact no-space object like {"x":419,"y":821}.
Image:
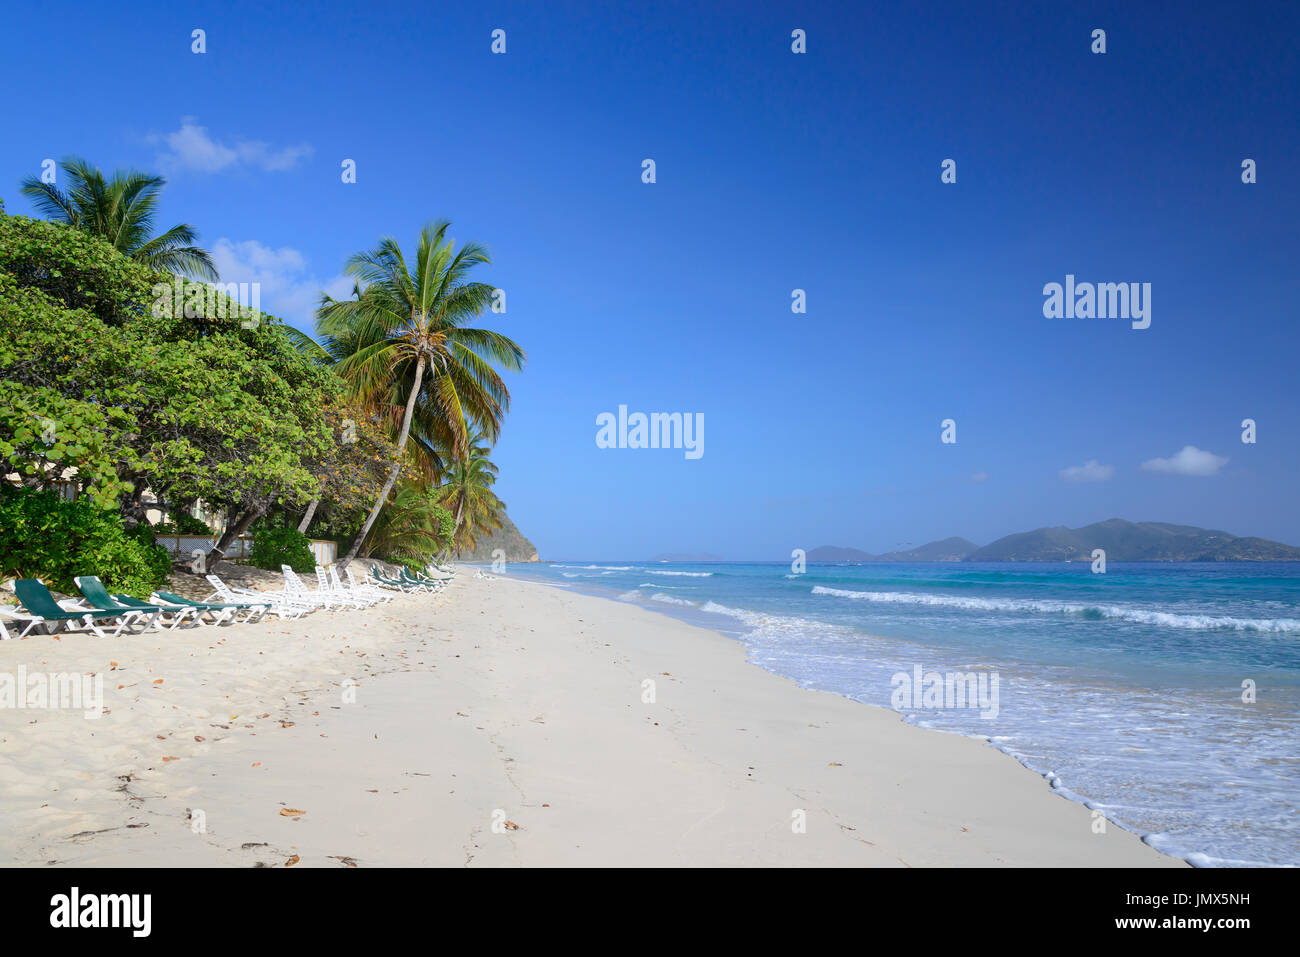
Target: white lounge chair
{"x":286,"y":606}
{"x":337,"y":590}
{"x":16,"y":617}
{"x":297,"y":588}
{"x":370,"y":592}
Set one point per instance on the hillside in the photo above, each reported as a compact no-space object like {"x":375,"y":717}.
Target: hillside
{"x":509,"y":539}
{"x":1133,"y":542}
{"x":834,"y":553}
{"x":1123,"y":541}
{"x":947,"y":550}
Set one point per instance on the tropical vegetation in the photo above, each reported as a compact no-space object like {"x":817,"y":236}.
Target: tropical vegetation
{"x":405,"y":347}
{"x":121,"y":209}
{"x":117,"y":403}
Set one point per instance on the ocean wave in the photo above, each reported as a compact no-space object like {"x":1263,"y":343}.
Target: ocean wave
{"x":670,"y":599}
{"x":1117,"y":612}
{"x":612,"y":568}
{"x":651,"y":571}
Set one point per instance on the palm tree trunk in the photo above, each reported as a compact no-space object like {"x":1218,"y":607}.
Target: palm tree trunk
{"x":397,"y":465}
{"x":311,"y":513}
{"x":460,"y":517}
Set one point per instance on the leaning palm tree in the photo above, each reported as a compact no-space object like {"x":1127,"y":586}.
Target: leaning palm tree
{"x":468,"y":495}
{"x":404,"y":345}
{"x":121,"y":209}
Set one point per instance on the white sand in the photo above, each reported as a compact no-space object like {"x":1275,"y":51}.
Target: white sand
{"x":509,"y":698}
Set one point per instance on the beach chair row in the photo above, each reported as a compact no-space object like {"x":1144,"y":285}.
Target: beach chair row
{"x":109,"y":615}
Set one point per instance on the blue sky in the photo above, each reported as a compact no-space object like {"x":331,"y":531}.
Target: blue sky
{"x":775,"y":171}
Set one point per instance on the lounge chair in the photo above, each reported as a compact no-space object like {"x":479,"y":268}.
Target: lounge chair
{"x":430,"y":584}
{"x":404,"y":575}
{"x":169,"y":615}
{"x":339,"y":591}
{"x":286,"y":606}
{"x":391,"y":582}
{"x":14,"y":617}
{"x":221,"y":610}
{"x":370,"y":591}
{"x":159,"y":616}
{"x":297,"y":588}
{"x":36,"y":598}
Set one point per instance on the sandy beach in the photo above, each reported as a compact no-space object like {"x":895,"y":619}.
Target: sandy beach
{"x":499,"y":723}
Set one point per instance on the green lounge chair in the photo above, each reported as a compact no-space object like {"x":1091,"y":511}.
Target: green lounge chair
{"x":36,"y":598}
{"x":159,"y":616}
{"x":177,"y":613}
{"x":391,"y":582}
{"x":221,"y":609}
{"x":405,"y":576}
{"x":98,"y":596}
{"x":427,"y":584}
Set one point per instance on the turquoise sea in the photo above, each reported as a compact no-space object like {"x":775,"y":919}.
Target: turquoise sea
{"x":1124,"y":689}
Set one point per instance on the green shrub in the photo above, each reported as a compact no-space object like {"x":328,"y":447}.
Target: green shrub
{"x":42,"y":536}
{"x":183,"y":523}
{"x":273,"y":547}
{"x":160,"y":561}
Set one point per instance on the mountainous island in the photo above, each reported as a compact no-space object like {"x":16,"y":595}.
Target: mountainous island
{"x":1123,"y":541}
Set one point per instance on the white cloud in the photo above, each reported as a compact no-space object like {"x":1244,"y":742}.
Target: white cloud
{"x":289,"y":288}
{"x":1089,"y":471}
{"x":1190,"y":461}
{"x":191,"y":148}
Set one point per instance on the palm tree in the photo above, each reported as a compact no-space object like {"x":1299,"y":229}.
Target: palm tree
{"x":410,"y":527}
{"x":401,"y":325}
{"x":468,"y":495}
{"x":121,"y":210}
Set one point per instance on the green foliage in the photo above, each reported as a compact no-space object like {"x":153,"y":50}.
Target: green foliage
{"x":352,"y":469}
{"x":468,"y":495}
{"x":158,"y":559}
{"x":44,"y":537}
{"x":46,"y":427}
{"x":105,"y":380}
{"x":413,"y":529}
{"x":183,"y":523}
{"x":273,"y":547}
{"x":134,"y":397}
{"x":76,"y":269}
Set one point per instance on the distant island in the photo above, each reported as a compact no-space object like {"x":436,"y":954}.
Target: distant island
{"x":1122,"y":541}
{"x":948,"y":550}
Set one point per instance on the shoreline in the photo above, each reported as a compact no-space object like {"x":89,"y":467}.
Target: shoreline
{"x":502,"y":724}
{"x":679,"y":613}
